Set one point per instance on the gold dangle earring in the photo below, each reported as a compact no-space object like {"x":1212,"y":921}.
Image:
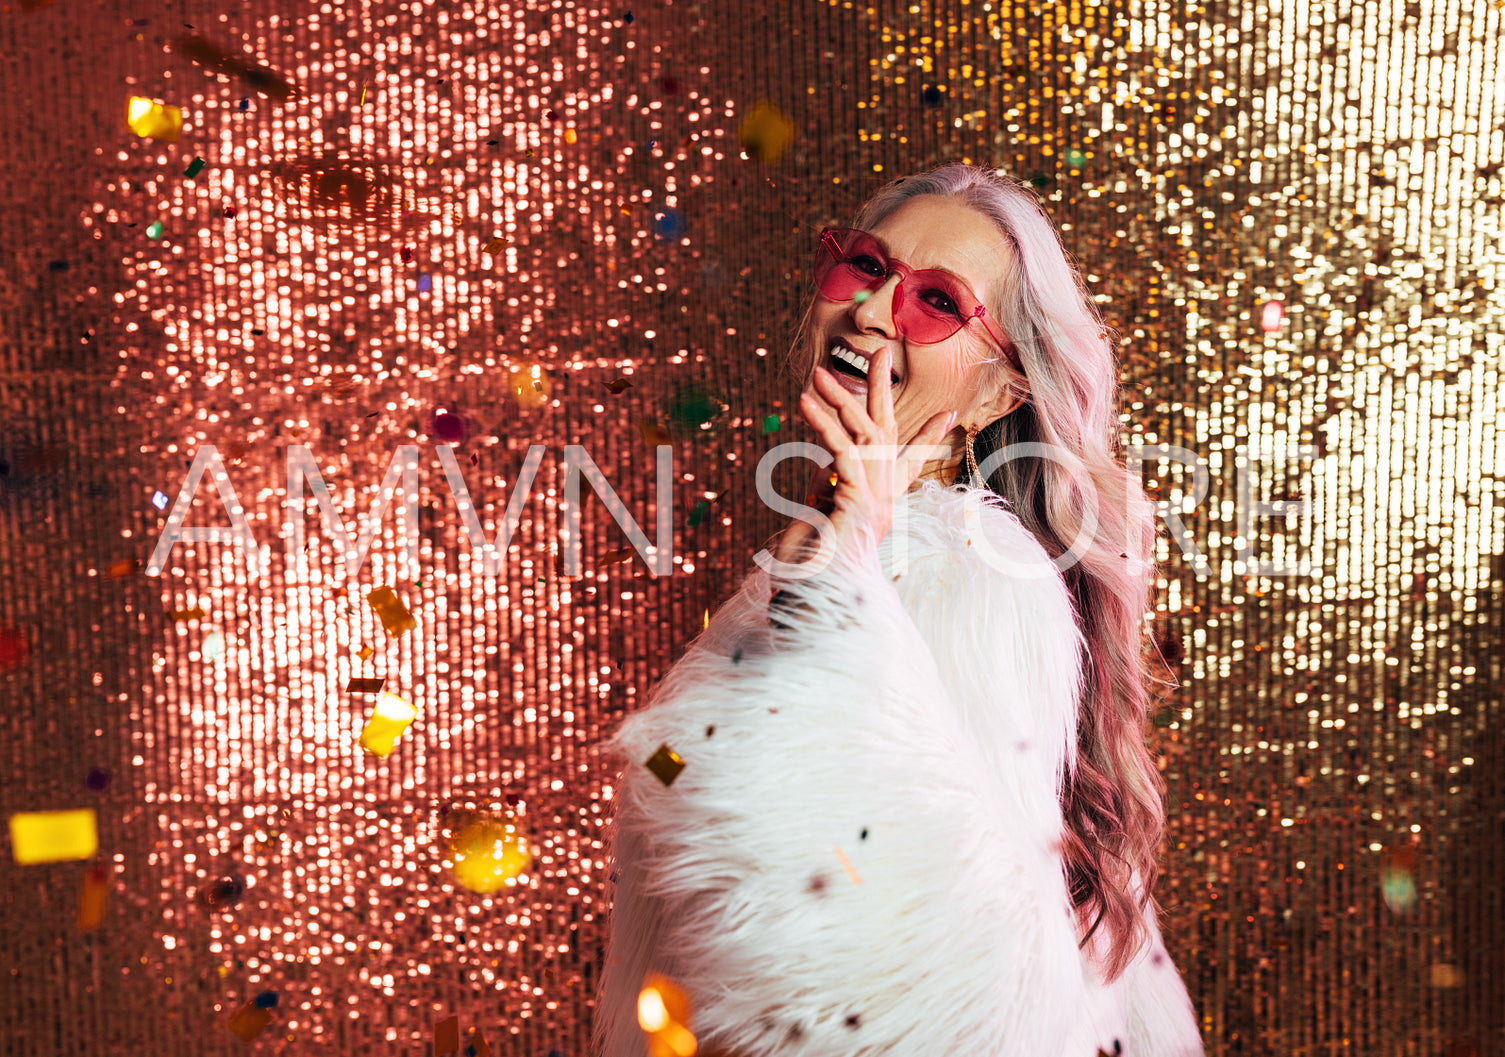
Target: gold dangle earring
{"x":972,"y":458}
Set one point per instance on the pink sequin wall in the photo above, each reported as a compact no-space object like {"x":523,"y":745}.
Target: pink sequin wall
{"x":431,"y":238}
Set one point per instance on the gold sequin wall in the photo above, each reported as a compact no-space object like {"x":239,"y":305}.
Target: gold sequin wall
{"x":434,"y":238}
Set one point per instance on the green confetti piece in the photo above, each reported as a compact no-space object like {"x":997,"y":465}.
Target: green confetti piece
{"x":701,"y":506}
{"x":194,"y":167}
{"x":771,"y":423}
{"x":155,"y":231}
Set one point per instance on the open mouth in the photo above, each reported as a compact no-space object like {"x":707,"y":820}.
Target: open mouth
{"x":843,"y":361}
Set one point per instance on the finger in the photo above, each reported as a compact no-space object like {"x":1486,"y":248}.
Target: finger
{"x":825,"y":422}
{"x":880,"y":389}
{"x":925,"y":444}
{"x":852,"y":411}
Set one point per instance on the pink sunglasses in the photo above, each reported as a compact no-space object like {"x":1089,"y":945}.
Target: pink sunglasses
{"x":848,"y":262}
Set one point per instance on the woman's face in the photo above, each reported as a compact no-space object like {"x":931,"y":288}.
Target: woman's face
{"x":928,"y":231}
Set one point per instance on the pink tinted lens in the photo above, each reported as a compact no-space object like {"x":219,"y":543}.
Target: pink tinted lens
{"x":929,"y":306}
{"x":849,"y":261}
{"x":933,"y":305}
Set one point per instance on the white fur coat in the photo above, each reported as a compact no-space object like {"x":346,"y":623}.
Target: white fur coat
{"x":857,"y":858}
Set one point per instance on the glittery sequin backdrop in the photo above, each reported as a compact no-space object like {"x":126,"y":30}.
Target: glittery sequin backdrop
{"x":424,"y":224}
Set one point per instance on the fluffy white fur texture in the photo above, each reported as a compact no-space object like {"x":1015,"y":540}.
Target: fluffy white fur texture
{"x":859,"y":857}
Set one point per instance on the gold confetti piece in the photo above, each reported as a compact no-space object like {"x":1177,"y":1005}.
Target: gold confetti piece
{"x":53,"y":836}
{"x":389,"y":609}
{"x":249,"y":1021}
{"x":365,"y":686}
{"x":615,"y":557}
{"x":187,"y":614}
{"x":1445,"y":975}
{"x":847,"y":863}
{"x":765,"y":133}
{"x":494,"y":246}
{"x":569,"y":135}
{"x":488,"y":854}
{"x":665,"y":764}
{"x":389,"y":719}
{"x":663,"y":1012}
{"x":123,"y":568}
{"x":530,"y":385}
{"x":653,"y":433}
{"x":92,"y":897}
{"x":363,"y":96}
{"x":618,"y":385}
{"x":364,"y":653}
{"x":153,"y":120}
{"x":446,"y":1035}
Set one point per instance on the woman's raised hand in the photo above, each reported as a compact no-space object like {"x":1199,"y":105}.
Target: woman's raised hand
{"x":865,"y":488}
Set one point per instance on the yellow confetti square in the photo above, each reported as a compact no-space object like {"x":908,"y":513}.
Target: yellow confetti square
{"x":154,"y":120}
{"x":391,"y":716}
{"x":53,"y":836}
{"x":493,"y":247}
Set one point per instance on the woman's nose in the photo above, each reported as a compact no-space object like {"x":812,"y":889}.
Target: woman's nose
{"x":876,"y":311}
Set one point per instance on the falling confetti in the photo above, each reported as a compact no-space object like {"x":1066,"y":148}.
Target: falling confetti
{"x":665,"y":764}
{"x":251,"y":1019}
{"x":668,"y":224}
{"x":488,"y":854}
{"x":1271,"y":318}
{"x":153,"y":120}
{"x":53,"y":836}
{"x":446,"y":1035}
{"x":765,"y":133}
{"x":194,"y":168}
{"x":394,"y":616}
{"x":530,"y":384}
{"x":222,"y":893}
{"x":389,"y":718}
{"x":92,"y":898}
{"x":663,"y":1013}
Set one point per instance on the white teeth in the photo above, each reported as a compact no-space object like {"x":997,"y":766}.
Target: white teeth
{"x":846,"y":355}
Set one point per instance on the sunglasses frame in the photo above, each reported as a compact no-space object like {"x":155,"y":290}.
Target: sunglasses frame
{"x":828,"y":243}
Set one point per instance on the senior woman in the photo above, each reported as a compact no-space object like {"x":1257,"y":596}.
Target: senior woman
{"x":916,"y":814}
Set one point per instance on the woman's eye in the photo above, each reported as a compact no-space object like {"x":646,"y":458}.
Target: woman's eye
{"x":867,"y":264}
{"x":942,"y":302}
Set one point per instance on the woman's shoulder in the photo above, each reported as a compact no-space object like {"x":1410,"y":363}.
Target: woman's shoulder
{"x":972,"y":527}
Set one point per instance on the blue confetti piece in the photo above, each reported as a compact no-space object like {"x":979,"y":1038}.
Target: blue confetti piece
{"x":159,"y":499}
{"x":668,"y":224}
{"x":425,"y":282}
{"x":245,"y":104}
